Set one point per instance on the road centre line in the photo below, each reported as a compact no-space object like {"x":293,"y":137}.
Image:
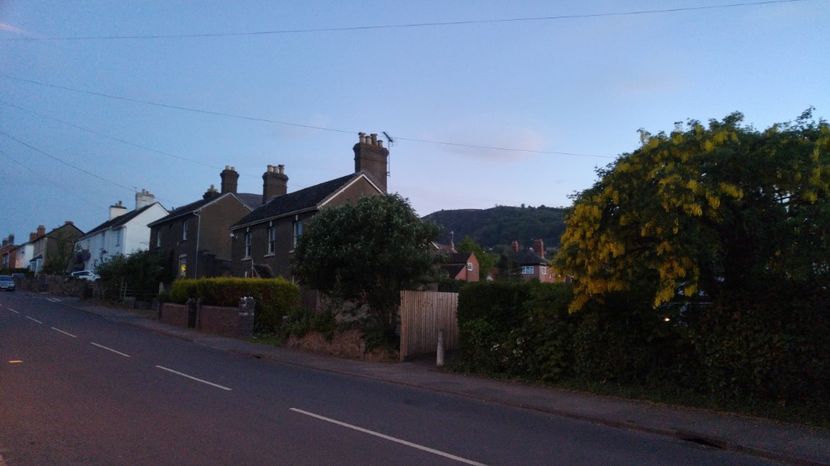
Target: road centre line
{"x":110,"y":349}
{"x":64,"y":332}
{"x":390,"y":438}
{"x":16,"y":312}
{"x":194,"y":378}
{"x":33,"y":319}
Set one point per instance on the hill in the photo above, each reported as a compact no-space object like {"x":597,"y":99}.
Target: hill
{"x":499,"y":226}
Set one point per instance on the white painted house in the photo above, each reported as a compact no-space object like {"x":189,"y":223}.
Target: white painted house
{"x":124,"y":233}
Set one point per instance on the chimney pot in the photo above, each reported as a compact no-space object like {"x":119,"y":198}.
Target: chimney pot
{"x":230,"y":179}
{"x":281,"y":169}
{"x":380,"y":144}
{"x":515,"y":246}
{"x":374,"y":137}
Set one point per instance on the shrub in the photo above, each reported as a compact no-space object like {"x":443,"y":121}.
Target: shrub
{"x":275,"y":297}
{"x":519,"y":328}
{"x":774,"y":344}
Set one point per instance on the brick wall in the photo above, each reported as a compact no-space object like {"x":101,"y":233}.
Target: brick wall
{"x":173,"y":314}
{"x":219,"y":320}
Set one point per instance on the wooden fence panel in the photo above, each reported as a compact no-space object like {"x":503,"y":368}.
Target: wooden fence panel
{"x":423,"y":314}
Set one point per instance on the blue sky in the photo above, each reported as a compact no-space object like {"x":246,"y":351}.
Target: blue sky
{"x":574,"y":85}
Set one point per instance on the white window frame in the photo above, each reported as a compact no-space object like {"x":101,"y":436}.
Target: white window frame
{"x":247,"y":240}
{"x":272,"y":239}
{"x":527,"y":270}
{"x":469,"y":266}
{"x":298,"y":232}
{"x":184,"y":230}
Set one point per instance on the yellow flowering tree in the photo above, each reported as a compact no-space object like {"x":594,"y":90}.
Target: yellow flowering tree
{"x":703,"y":210}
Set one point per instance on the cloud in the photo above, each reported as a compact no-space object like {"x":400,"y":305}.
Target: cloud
{"x":491,"y":139}
{"x":299,"y":132}
{"x":13,"y":29}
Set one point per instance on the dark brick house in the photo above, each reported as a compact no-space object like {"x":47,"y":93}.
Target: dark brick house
{"x":462,"y":266}
{"x":531,"y":263}
{"x":264,"y":240}
{"x":194,"y":238}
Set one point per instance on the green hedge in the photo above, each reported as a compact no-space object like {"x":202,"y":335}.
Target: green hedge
{"x":772,"y":344}
{"x":275,"y":297}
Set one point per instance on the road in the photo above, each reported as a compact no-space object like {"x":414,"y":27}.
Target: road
{"x":78,"y":389}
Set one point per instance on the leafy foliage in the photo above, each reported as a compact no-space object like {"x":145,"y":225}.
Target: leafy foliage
{"x":141,"y":271}
{"x":499,"y":226}
{"x":705,"y":210}
{"x":366,"y":253}
{"x":486,"y":260}
{"x":275,"y":297}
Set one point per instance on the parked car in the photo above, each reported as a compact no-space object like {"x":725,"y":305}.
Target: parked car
{"x":84,"y":275}
{"x":6,"y":283}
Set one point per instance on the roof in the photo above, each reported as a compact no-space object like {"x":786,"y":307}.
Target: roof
{"x":247,"y":199}
{"x":528,"y":257}
{"x":459,"y":258}
{"x":453,"y":269}
{"x":304,"y":199}
{"x":118,"y":221}
{"x":250,"y":199}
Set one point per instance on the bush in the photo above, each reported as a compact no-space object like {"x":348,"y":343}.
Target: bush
{"x":275,"y":297}
{"x":519,"y":328}
{"x":774,"y":344}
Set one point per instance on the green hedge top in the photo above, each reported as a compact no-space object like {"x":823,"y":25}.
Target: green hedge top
{"x":227,"y":291}
{"x":505,"y":304}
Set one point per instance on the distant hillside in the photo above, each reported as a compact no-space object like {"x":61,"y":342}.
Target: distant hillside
{"x":501,"y":225}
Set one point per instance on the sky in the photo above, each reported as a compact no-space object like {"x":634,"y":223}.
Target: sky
{"x":565,"y":95}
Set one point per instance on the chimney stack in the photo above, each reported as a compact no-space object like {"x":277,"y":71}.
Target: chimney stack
{"x":539,"y":247}
{"x":32,"y":236}
{"x":372,"y":158}
{"x":41,"y":231}
{"x":11,"y":239}
{"x":229,"y":179}
{"x":210,"y":193}
{"x":117,"y":209}
{"x":144,"y":198}
{"x":274,"y":182}
{"x":515,"y":246}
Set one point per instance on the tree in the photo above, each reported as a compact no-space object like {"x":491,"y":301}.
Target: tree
{"x":486,"y":260}
{"x":60,"y":254}
{"x":366,"y":253}
{"x":705,"y":211}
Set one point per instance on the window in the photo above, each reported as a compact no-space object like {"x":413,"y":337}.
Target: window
{"x":119,"y":234}
{"x":272,"y":239}
{"x":184,"y":230}
{"x":298,"y":231}
{"x":469,"y":266}
{"x":543,"y":270}
{"x":182,"y":265}
{"x":247,"y":244}
{"x":527,"y":270}
{"x":158,"y":238}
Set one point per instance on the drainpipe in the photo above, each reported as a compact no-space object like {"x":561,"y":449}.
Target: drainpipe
{"x":198,"y":215}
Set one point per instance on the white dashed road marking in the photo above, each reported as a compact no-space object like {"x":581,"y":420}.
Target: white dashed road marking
{"x":33,"y":319}
{"x":388,"y":437}
{"x":110,"y":349}
{"x":64,"y":332}
{"x":193,"y":378}
{"x":13,"y":311}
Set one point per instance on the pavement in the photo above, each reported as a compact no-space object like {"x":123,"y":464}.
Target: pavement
{"x":790,"y":443}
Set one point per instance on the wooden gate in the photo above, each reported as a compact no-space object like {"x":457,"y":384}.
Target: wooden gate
{"x":423,"y":314}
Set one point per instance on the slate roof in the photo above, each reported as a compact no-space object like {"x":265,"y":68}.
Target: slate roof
{"x":118,"y":221}
{"x":528,"y":257}
{"x":453,"y":269}
{"x":303,"y":199}
{"x":249,"y":199}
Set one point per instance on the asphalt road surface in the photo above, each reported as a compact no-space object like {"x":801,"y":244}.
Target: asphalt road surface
{"x":78,"y":389}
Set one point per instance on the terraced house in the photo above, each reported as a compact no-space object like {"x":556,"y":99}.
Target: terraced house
{"x":263,"y":241}
{"x":194,"y":238}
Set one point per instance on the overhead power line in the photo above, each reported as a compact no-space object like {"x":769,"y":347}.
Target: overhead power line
{"x":112,"y":138}
{"x":64,"y":162}
{"x":288,"y":123}
{"x":428,"y":24}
